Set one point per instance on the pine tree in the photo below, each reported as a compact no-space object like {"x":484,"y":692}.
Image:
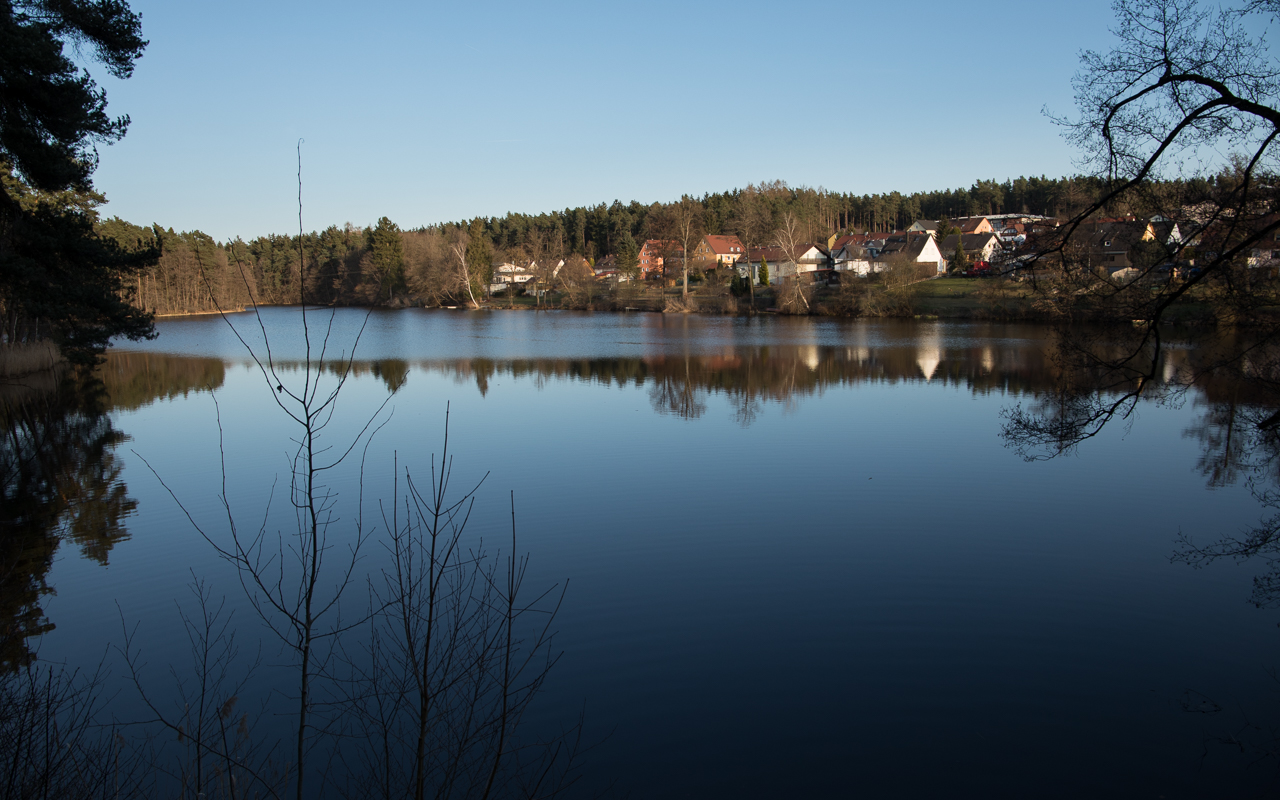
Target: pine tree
{"x":479,"y":257}
{"x":57,"y":276}
{"x":959,"y":261}
{"x":764,"y":272}
{"x":628,"y":256}
{"x":386,"y":256}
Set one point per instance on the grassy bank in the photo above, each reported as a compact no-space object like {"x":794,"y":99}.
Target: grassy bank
{"x":955,"y":298}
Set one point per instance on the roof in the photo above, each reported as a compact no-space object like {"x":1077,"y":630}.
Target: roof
{"x":1113,"y":235}
{"x":846,"y":239}
{"x":969,"y":224}
{"x":1165,"y":230}
{"x":660,"y":244}
{"x":911,"y":245}
{"x":969,"y":241}
{"x":1095,"y":236}
{"x":850,"y":250}
{"x":725,"y":245}
{"x":507,"y":266}
{"x":776,"y":255}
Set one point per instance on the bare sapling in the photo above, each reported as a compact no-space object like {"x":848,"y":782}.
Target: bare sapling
{"x":455,"y":657}
{"x":205,"y":740}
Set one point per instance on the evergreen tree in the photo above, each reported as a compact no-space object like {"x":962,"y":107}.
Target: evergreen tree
{"x":764,"y":272}
{"x":628,"y":256}
{"x":59,"y":279}
{"x":959,"y":261}
{"x":386,"y":257}
{"x":479,"y":257}
{"x":57,"y":276}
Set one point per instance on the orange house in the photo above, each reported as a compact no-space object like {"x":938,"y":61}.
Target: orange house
{"x":652,"y":255}
{"x":714,"y":251}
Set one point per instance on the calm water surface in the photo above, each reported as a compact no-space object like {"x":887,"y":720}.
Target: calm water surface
{"x":801,"y":559}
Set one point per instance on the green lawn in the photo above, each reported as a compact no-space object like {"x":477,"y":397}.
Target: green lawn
{"x":949,"y":287}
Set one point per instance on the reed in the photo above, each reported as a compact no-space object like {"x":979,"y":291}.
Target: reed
{"x":25,"y":358}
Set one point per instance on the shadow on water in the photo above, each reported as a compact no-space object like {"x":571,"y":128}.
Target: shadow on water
{"x":1237,"y":428}
{"x":60,"y":477}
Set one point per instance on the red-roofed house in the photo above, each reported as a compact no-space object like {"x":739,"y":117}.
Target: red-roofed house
{"x":714,"y":251}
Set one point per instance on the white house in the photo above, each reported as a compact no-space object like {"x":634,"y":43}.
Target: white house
{"x":807,"y":258}
{"x":514,"y":273}
{"x":853,"y":258}
{"x":920,"y":248}
{"x":977,"y":246}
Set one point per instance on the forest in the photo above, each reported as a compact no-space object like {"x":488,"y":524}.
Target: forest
{"x":440,"y":263}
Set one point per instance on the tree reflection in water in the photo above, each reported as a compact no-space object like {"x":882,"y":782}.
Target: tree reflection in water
{"x":1238,"y":430}
{"x":60,"y":476}
{"x":60,"y":471}
{"x":1241,"y":442}
{"x":60,"y":481}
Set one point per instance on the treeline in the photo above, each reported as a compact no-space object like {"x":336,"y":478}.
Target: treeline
{"x":452,"y":262}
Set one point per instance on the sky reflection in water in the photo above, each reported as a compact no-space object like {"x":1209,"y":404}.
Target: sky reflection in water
{"x":815,"y":570}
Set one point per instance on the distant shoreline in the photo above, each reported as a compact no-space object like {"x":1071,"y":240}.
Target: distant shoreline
{"x":200,"y":313}
{"x":944,"y":298}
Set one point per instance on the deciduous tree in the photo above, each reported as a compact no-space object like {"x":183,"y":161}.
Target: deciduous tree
{"x":1185,"y":79}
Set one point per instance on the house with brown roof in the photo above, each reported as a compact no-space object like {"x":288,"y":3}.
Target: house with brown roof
{"x":1112,"y":244}
{"x":976,"y":246}
{"x":973,"y":225}
{"x":835,"y":243}
{"x":807,"y":258}
{"x":918,"y":248}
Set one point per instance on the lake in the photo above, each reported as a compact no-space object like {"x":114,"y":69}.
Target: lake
{"x":801,"y":558}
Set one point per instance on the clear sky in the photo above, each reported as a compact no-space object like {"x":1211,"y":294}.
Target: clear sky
{"x":426,"y":112}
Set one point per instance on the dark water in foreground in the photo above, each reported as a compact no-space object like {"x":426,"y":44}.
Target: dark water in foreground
{"x":802,"y":561}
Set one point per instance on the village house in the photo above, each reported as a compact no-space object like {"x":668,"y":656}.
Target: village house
{"x":1110,"y":243}
{"x":508,"y":274}
{"x":917,"y":248}
{"x":607,"y":269}
{"x":1263,"y":254}
{"x":714,"y":251}
{"x":835,"y":243}
{"x":973,"y":225}
{"x":977,"y":246}
{"x":1013,"y":235}
{"x":807,"y":258}
{"x":651,"y":257}
{"x":851,"y":256}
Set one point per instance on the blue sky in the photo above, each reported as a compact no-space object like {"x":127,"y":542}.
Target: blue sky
{"x":425,"y":112}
